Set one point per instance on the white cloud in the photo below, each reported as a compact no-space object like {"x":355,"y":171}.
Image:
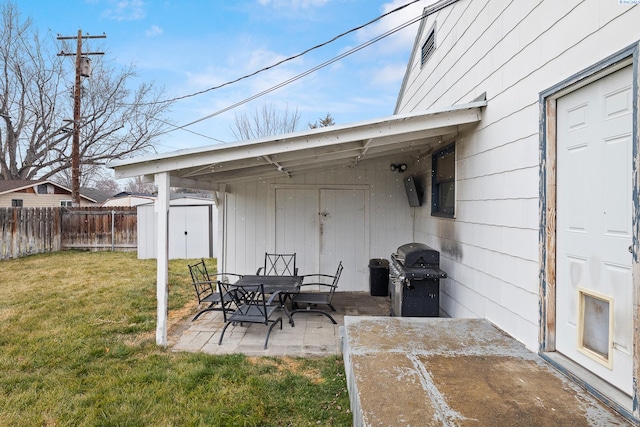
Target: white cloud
{"x":154,"y":31}
{"x":261,"y":58}
{"x":402,"y":38}
{"x":125,"y":10}
{"x":294,"y":4}
{"x":389,"y":74}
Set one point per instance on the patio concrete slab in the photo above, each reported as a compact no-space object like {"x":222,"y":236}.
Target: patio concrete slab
{"x":313,"y":335}
{"x":457,"y":372}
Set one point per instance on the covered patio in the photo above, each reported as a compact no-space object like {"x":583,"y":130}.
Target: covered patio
{"x":350,"y":161}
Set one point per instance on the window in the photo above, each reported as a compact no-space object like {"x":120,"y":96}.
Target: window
{"x":443,"y":182}
{"x":428,"y":47}
{"x":66,"y":203}
{"x":16,"y":203}
{"x":42,"y":189}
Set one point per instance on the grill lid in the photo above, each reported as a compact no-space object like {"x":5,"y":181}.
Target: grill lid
{"x":418,"y":255}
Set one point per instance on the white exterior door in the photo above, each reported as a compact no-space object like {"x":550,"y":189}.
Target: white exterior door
{"x":324,"y":227}
{"x":594,"y":228}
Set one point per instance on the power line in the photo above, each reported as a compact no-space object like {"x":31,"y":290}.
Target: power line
{"x":246,"y":76}
{"x":301,"y":75}
{"x":182,"y":128}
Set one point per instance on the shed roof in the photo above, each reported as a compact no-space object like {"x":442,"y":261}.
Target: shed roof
{"x":315,"y":149}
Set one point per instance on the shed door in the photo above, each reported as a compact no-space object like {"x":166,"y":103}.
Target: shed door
{"x":189,"y":232}
{"x":324,"y":227}
{"x":297,"y":226}
{"x":594,"y":208}
{"x":342,"y":236}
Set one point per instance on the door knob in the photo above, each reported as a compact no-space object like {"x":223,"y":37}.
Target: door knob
{"x":630,"y":249}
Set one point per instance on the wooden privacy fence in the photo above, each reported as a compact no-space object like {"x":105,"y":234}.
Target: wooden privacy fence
{"x":27,"y":231}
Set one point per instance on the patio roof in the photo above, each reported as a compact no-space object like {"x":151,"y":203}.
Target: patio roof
{"x":315,"y":149}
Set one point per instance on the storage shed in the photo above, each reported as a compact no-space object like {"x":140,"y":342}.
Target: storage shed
{"x":192,"y":228}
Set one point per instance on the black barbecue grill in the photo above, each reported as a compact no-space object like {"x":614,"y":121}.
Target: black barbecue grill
{"x":414,"y":281}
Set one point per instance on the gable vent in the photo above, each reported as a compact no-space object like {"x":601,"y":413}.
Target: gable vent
{"x":428,"y":47}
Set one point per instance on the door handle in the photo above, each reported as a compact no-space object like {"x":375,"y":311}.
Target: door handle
{"x":630,"y":249}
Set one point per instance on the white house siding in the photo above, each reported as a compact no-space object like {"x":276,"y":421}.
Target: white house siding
{"x":512,"y":50}
{"x":250,"y":221}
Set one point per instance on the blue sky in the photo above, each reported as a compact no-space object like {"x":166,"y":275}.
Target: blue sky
{"x":187,"y":46}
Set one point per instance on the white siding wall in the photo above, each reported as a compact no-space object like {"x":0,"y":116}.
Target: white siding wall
{"x":512,"y":51}
{"x":249,"y":220}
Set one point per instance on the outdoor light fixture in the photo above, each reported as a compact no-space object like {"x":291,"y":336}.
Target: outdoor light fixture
{"x":400,"y":167}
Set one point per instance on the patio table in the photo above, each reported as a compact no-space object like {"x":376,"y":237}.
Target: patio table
{"x":284,"y":285}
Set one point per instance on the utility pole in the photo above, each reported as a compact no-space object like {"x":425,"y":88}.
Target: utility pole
{"x":83,"y":69}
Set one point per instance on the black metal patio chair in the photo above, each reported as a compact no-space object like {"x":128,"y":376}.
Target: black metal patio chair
{"x":249,"y":305}
{"x":278,"y":265}
{"x":206,"y":288}
{"x":312,"y":299}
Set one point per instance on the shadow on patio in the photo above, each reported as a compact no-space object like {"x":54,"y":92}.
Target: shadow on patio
{"x":313,"y":334}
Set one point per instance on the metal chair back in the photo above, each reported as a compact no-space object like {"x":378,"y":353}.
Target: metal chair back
{"x":279,"y":265}
{"x":249,"y":304}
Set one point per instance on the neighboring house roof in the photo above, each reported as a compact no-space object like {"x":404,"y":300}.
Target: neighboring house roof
{"x":15,"y":185}
{"x":98,"y":195}
{"x":131,"y":193}
{"x":300,"y":152}
{"x":11,"y":186}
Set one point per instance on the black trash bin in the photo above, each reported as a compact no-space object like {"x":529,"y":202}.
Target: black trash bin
{"x":379,"y":277}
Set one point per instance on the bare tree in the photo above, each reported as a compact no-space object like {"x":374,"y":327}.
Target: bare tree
{"x":36,"y":105}
{"x":138,"y":185}
{"x":106,"y":184}
{"x":265,"y":121}
{"x":324,"y":122}
{"x":89,"y":175}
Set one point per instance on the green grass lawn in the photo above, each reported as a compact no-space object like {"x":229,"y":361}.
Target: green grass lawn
{"x":77,"y":347}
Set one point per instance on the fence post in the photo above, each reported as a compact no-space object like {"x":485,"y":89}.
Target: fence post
{"x":113,"y":231}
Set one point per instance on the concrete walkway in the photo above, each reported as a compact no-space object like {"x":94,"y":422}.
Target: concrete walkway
{"x":457,"y":372}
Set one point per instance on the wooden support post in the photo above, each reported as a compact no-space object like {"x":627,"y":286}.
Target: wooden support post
{"x":162,"y":180}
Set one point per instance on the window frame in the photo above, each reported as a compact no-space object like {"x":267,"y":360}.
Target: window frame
{"x":66,"y":203}
{"x":436,"y":185}
{"x":17,"y":203}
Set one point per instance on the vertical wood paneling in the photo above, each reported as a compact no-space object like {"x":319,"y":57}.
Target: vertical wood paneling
{"x":28,"y":231}
{"x":390,"y":217}
{"x":90,"y":228}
